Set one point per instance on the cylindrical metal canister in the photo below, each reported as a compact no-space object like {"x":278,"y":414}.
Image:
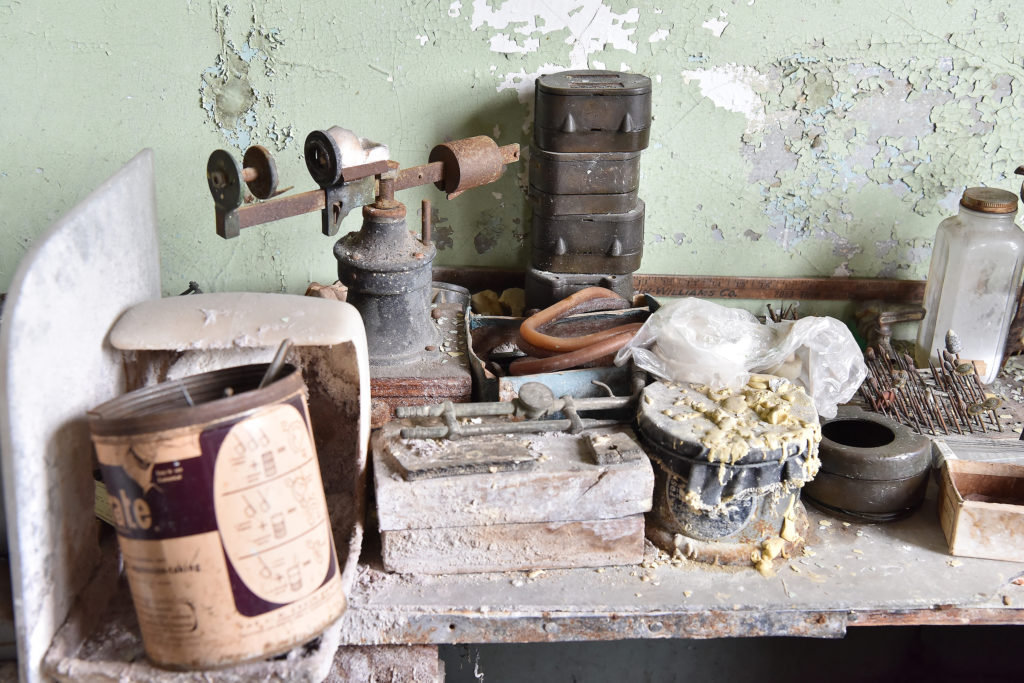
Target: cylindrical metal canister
{"x":728,"y":465}
{"x":388,"y":275}
{"x":216,"y":495}
{"x":468,"y":163}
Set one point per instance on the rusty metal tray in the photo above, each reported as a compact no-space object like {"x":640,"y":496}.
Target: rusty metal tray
{"x":487,"y":386}
{"x":544,"y":288}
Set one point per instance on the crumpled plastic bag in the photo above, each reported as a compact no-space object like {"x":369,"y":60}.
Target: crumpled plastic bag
{"x":694,"y":340}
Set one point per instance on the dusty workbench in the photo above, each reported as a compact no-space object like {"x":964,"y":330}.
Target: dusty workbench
{"x":898,"y":573}
{"x":850,"y":575}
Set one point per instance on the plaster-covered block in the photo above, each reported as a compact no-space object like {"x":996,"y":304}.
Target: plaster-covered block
{"x":511,"y":547}
{"x":564,"y":484}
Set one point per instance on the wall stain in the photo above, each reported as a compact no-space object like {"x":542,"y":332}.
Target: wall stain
{"x":441,"y":231}
{"x":490,"y":229}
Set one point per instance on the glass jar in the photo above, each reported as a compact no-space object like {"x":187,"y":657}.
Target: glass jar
{"x":973,"y":280}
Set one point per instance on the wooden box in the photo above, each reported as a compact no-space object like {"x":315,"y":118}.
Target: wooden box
{"x":981,"y":508}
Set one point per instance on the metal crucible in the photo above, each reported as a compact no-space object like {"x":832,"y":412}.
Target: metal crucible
{"x":873,"y":469}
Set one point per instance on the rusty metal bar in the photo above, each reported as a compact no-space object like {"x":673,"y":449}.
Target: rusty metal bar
{"x":715,"y":287}
{"x":433,"y":172}
{"x":800,"y":288}
{"x":363,"y":170}
{"x":943,"y":615}
{"x":283,"y":207}
{"x":414,"y":176}
{"x":426,"y":222}
{"x":509,"y":153}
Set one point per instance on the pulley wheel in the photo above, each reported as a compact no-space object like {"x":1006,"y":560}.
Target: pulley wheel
{"x":224,"y":176}
{"x":264,"y":184}
{"x":323,"y":157}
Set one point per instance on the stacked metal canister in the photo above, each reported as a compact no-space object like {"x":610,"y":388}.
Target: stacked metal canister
{"x":588,"y":222}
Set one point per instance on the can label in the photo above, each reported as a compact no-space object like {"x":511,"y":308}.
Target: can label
{"x":225,"y":535}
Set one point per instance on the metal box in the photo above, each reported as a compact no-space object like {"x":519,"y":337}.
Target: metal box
{"x":593,"y":173}
{"x":590,"y":243}
{"x":546,"y":204}
{"x":592,"y":111}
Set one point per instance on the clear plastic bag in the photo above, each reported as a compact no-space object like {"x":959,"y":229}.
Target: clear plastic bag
{"x":693,"y":340}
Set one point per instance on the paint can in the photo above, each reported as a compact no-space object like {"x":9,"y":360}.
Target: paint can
{"x":220,"y":512}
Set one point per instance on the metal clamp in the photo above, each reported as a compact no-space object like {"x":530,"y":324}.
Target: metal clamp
{"x":535,"y":401}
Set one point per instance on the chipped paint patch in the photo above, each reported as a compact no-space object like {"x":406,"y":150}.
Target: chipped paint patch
{"x":897,"y":256}
{"x":733,"y":87}
{"x":658,"y":36}
{"x":523,"y":83}
{"x":229,"y":93}
{"x":716,"y":25}
{"x":832,"y":132}
{"x":280,"y":136}
{"x":489,"y":231}
{"x":591,"y":25}
{"x":502,"y":43}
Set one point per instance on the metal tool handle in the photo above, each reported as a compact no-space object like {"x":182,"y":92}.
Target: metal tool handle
{"x":457,"y":409}
{"x":525,"y":427}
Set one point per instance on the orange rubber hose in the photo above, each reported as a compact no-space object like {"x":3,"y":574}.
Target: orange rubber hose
{"x":572,"y":359}
{"x":529,"y":333}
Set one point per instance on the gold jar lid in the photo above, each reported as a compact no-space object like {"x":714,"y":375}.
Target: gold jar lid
{"x":989,"y":200}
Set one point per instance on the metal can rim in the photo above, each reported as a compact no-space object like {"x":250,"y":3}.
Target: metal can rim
{"x":164,"y":406}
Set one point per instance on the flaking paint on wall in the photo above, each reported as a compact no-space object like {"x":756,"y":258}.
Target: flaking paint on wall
{"x":236,"y":90}
{"x":832,"y":125}
{"x":586,"y":27}
{"x":790,"y":138}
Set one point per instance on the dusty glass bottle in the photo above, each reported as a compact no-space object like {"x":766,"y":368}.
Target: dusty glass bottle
{"x":973,"y":280}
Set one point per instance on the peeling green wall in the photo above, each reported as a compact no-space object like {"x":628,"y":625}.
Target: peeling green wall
{"x":791,"y":137}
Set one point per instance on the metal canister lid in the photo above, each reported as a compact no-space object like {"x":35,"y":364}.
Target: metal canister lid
{"x":989,"y":200}
{"x":594,"y":83}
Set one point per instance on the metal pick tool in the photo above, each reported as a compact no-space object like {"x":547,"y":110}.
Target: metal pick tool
{"x":275,"y":365}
